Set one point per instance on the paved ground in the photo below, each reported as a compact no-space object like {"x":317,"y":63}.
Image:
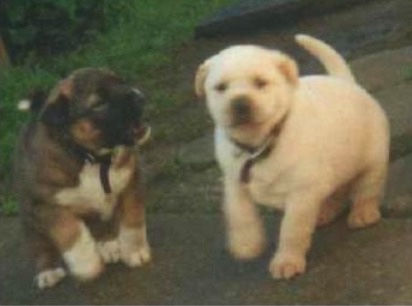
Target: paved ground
{"x":191,"y":265}
{"x":370,"y":266}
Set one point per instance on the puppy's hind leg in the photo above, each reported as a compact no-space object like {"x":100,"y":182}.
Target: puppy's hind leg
{"x":76,"y":244}
{"x":366,"y":194}
{"x":49,"y":270}
{"x":55,"y":233}
{"x":243,"y":225}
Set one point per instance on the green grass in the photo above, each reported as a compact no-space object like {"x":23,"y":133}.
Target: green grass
{"x":9,"y":206}
{"x":409,"y":73}
{"x":140,"y":41}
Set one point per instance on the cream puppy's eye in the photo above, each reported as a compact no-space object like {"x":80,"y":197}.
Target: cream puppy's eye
{"x":221,"y":87}
{"x":260,"y":83}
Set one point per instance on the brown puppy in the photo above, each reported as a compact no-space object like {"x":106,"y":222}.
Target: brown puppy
{"x":78,"y":179}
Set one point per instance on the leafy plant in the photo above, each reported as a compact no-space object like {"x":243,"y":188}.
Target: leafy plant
{"x":45,"y":27}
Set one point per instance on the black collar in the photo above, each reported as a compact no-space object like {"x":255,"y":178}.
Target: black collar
{"x":258,"y":153}
{"x":104,"y":161}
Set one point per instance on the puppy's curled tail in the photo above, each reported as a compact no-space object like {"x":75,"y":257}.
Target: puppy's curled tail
{"x":334,"y":63}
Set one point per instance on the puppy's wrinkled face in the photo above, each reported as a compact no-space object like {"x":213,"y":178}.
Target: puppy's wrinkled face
{"x":246,"y":86}
{"x":96,"y":109}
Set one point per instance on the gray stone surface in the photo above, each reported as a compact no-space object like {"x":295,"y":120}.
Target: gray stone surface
{"x":388,"y":76}
{"x":398,"y":105}
{"x":385,"y":69}
{"x":398,"y":198}
{"x":190,"y":192}
{"x":198,"y":152}
{"x":191,"y":266}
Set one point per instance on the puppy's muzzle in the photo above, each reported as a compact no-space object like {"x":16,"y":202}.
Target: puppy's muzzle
{"x":241,"y":110}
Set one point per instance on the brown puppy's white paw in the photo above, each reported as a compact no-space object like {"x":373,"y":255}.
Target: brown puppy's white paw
{"x":82,"y":258}
{"x":109,"y":250}
{"x":246,"y":242}
{"x":287,"y":265}
{"x":134,"y":248}
{"x":363,"y":215}
{"x":49,"y":278}
{"x":136,"y":257}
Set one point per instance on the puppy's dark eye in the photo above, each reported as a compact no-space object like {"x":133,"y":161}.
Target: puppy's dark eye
{"x":99,"y":110}
{"x":100,"y":107}
{"x":221,"y":87}
{"x":260,"y":83}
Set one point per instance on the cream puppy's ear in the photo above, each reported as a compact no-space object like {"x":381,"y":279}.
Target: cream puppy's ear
{"x":288,"y":67}
{"x":200,"y":78}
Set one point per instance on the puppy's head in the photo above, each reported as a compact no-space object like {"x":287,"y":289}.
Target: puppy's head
{"x":96,"y":109}
{"x":247,"y":87}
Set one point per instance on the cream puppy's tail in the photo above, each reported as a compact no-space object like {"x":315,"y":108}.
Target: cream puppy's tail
{"x":334,"y":63}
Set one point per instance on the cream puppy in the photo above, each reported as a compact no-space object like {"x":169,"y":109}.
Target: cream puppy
{"x":293,"y":143}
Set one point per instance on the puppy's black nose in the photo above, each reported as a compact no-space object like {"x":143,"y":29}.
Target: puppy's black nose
{"x":241,"y":106}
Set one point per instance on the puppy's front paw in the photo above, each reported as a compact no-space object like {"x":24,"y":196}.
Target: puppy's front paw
{"x":287,"y":265}
{"x":363,"y":216}
{"x":246,"y":242}
{"x":87,"y":270}
{"x":109,"y":250}
{"x":49,"y":278}
{"x":82,"y":259}
{"x":135,"y":257}
{"x":134,"y":248}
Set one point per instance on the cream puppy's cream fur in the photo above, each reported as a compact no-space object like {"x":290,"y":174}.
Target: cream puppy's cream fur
{"x":333,"y":140}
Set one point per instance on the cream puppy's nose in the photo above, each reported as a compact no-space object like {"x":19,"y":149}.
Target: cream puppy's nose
{"x":241,"y":105}
{"x":241,"y":109}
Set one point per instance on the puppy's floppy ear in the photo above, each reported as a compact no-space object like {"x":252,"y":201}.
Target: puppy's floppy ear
{"x":57,"y":112}
{"x":288,"y":67}
{"x":200,"y":78}
{"x":65,"y":87}
{"x":38,"y":98}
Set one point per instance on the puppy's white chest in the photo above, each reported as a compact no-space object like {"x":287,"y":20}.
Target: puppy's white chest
{"x":266,"y":187}
{"x":267,"y":182}
{"x":89,"y":194}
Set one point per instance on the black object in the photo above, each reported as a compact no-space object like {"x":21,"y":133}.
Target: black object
{"x":249,"y":15}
